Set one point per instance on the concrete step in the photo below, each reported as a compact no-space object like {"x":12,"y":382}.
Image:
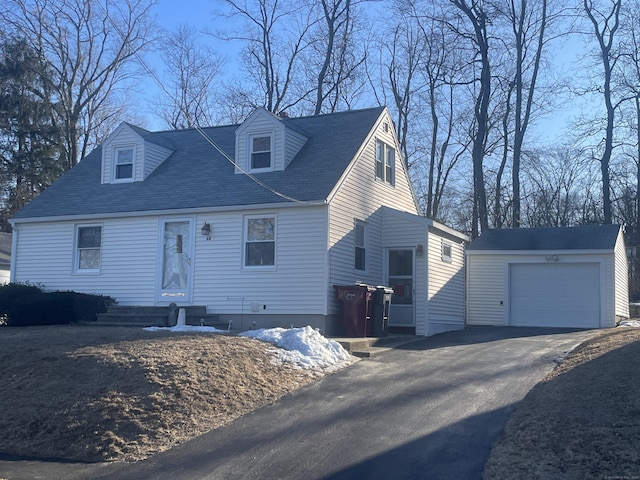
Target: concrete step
{"x":367,"y":346}
{"x":155,"y":316}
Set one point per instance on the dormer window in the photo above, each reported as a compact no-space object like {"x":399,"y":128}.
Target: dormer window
{"x":260,"y":152}
{"x":123,"y":164}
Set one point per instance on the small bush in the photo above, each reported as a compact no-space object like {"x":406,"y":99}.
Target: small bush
{"x":27,"y":304}
{"x":41,"y":309}
{"x":87,"y":306}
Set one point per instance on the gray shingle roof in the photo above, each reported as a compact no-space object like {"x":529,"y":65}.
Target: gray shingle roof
{"x":591,"y":237}
{"x":197,"y":176}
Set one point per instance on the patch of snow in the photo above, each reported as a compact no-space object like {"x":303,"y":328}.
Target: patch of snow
{"x":304,"y":347}
{"x":184,"y":328}
{"x":564,"y":355}
{"x":630,"y":323}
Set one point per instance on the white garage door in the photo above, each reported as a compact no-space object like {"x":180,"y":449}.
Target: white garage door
{"x":555,"y":294}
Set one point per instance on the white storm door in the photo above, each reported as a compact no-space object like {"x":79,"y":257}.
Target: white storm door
{"x":175,"y":263}
{"x":400,"y":268}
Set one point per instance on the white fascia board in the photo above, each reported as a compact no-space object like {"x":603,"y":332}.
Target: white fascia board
{"x":539,"y":252}
{"x":183,"y":211}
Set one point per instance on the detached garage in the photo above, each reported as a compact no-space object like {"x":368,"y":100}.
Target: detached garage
{"x":548,"y":277}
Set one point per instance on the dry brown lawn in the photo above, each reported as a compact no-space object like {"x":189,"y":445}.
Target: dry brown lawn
{"x":115,"y":393}
{"x":108,"y":393}
{"x":582,"y":422}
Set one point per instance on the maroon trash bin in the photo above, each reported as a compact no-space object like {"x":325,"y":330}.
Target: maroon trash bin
{"x":356,"y":309}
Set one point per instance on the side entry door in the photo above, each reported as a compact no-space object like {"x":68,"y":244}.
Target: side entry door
{"x":400,"y":268}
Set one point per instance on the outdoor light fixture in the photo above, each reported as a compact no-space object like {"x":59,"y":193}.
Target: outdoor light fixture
{"x":552,"y":258}
{"x":206,"y":230}
{"x":419,"y":251}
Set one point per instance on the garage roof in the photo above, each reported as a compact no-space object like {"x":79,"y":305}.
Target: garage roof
{"x":589,"y":237}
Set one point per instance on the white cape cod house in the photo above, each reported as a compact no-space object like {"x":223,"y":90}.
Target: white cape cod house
{"x":254,"y":222}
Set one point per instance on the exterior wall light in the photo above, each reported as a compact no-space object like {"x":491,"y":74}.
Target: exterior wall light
{"x":206,"y":230}
{"x":419,"y":250}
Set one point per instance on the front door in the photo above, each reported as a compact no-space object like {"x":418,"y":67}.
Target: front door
{"x":175,"y":261}
{"x":400,"y":278}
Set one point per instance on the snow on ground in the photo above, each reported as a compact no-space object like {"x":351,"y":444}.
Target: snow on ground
{"x":630,"y":323}
{"x":184,"y":328}
{"x":303,"y":347}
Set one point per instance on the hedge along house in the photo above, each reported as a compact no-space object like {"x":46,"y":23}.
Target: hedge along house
{"x":254,"y":222}
{"x":5,"y":257}
{"x":548,"y":277}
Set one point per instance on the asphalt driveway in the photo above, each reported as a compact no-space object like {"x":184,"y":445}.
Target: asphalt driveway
{"x":431,"y":409}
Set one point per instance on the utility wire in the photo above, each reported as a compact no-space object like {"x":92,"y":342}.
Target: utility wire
{"x":197,"y":127}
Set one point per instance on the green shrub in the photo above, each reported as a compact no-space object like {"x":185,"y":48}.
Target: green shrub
{"x":41,"y":309}
{"x":87,"y":306}
{"x":27,"y":304}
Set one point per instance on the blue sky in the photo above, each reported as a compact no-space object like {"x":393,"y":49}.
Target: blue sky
{"x":200,"y":14}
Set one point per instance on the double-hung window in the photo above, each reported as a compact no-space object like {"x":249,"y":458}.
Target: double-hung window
{"x":124,"y":164}
{"x":260,"y":241}
{"x":260,"y":152}
{"x":385,"y":162}
{"x":360,"y":245}
{"x":88,"y":248}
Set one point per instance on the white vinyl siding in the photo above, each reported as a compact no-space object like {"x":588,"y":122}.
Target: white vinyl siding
{"x":285,"y":142}
{"x":359,"y":195}
{"x":294,"y":141}
{"x":45,"y":255}
{"x":147,"y":156}
{"x":295,"y":286}
{"x":123,"y":137}
{"x":445,"y":283}
{"x":486,"y":292}
{"x":130,"y":259}
{"x":488,"y":283}
{"x":621,"y":279}
{"x":153,"y":156}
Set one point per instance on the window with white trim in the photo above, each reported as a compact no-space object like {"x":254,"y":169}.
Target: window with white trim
{"x":360,"y":231}
{"x":260,"y":152}
{"x":446,"y":251}
{"x":123,"y":169}
{"x":260,"y":241}
{"x":385,"y":162}
{"x":88,"y":248}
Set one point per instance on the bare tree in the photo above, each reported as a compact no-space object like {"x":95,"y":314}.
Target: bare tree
{"x":528,"y":22}
{"x":629,"y":82}
{"x":89,"y":45}
{"x":275,"y":34}
{"x":477,"y":16}
{"x":605,"y":25}
{"x":192,"y":71}
{"x":557,"y":188}
{"x":336,"y":48}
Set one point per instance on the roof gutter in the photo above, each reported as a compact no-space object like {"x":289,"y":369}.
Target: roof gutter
{"x":181,"y":211}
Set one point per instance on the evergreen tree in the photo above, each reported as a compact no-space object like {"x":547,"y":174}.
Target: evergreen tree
{"x":30,"y":144}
